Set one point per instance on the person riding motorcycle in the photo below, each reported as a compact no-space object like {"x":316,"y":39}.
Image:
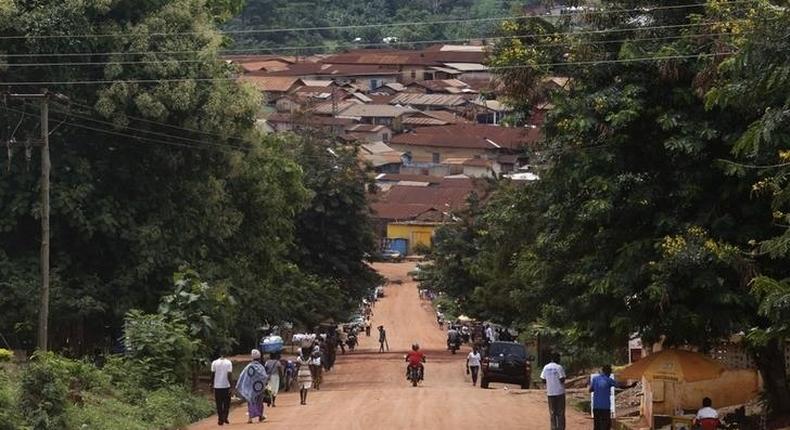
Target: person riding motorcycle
{"x":453,"y":338}
{"x":415,"y":358}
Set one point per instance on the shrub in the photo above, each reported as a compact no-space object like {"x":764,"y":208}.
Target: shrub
{"x":9,"y":412}
{"x":172,"y":408}
{"x":98,"y":413}
{"x":44,"y":392}
{"x":6,"y":355}
{"x":161,"y":347}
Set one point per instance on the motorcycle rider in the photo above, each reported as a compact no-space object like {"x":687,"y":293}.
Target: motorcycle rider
{"x":415,"y":358}
{"x":453,"y":337}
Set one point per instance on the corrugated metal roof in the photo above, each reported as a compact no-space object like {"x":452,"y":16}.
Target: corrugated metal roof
{"x":468,"y":67}
{"x":374,"y":110}
{"x":421,"y":120}
{"x":271,"y":83}
{"x":428,"y":99}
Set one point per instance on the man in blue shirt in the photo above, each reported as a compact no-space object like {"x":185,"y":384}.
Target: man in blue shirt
{"x":601,"y":387}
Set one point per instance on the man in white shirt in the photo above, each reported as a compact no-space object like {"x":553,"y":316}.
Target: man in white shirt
{"x":707,"y":417}
{"x":554,"y":376}
{"x":221,"y":381}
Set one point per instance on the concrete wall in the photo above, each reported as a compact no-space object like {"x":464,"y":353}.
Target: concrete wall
{"x":733,"y":387}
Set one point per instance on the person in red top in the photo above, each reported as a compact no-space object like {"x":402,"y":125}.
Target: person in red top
{"x":415,"y":358}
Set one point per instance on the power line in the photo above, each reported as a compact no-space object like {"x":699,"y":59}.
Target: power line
{"x":199,"y":146}
{"x":140,"y":130}
{"x":382,"y":25}
{"x":517,"y":66}
{"x":264,"y":51}
{"x":116,"y":133}
{"x":164,"y":124}
{"x":554,"y":44}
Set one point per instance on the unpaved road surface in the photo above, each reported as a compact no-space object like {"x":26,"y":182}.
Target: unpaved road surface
{"x":368,"y":391}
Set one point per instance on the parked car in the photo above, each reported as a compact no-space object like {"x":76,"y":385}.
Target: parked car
{"x":506,"y":362}
{"x":391,"y":255}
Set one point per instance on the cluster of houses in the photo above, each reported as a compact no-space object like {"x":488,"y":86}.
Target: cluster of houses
{"x":428,"y":121}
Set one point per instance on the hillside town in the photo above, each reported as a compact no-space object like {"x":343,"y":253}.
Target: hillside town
{"x":395,"y":214}
{"x":430,"y":122}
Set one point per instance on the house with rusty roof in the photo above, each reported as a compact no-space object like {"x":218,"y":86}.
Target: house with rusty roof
{"x":441,"y":86}
{"x":272,"y":87}
{"x":364,"y":76}
{"x":415,"y":206}
{"x":279,"y":122}
{"x":432,"y":119}
{"x":427,"y":102}
{"x":375,"y":114}
{"x":426,"y":146}
{"x":381,"y":157}
{"x":370,"y":132}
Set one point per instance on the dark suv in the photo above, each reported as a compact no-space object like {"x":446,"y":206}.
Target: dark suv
{"x":506,"y":362}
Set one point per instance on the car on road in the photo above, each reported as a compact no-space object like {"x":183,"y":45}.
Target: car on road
{"x":391,"y":255}
{"x":506,"y":362}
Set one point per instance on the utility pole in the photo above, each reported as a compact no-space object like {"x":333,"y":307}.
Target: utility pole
{"x":46,"y":165}
{"x":43,"y":313}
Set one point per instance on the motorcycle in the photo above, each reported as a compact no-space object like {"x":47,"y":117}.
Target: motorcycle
{"x":351,"y":342}
{"x":454,"y":345}
{"x":415,"y":375}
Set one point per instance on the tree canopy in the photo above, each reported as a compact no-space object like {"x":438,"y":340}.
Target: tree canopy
{"x":156,"y":164}
{"x":641,"y":222}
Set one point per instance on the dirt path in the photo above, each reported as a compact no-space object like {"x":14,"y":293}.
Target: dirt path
{"x":367,"y":390}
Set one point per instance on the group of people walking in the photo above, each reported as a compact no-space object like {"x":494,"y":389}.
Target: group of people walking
{"x":261,"y":380}
{"x":258,"y":384}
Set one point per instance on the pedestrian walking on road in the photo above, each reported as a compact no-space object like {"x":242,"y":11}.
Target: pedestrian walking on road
{"x":221,"y":381}
{"x":473,"y":364}
{"x":316,"y":370}
{"x":275,"y":370}
{"x":601,"y":387}
{"x":383,"y":339}
{"x":252,"y":386}
{"x":554,"y":376}
{"x":303,"y":376}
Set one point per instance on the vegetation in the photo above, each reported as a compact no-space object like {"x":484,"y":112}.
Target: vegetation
{"x":662,"y":205}
{"x":162,"y":169}
{"x":57,"y":393}
{"x":359,"y":19}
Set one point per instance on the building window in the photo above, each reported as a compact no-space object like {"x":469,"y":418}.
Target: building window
{"x":436,"y":157}
{"x":428,"y":76}
{"x":386,"y":137}
{"x":414,"y":74}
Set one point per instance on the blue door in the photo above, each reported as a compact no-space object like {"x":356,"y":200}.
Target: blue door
{"x":400,"y":245}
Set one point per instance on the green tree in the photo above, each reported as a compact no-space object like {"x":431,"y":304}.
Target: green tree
{"x":635,"y":224}
{"x":334,"y":232}
{"x":755,"y":83}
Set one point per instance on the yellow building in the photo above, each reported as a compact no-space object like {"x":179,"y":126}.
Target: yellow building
{"x":416,"y":232}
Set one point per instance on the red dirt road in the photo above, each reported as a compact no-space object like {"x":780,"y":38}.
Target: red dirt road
{"x":367,"y":390}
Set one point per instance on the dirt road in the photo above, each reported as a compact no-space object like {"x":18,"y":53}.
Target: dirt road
{"x":368,"y":390}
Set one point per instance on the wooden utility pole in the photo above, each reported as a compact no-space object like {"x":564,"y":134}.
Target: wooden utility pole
{"x":43,"y":313}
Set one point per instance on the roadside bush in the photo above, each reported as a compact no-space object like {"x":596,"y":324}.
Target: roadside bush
{"x":160,"y":347}
{"x":9,"y":412}
{"x":422,"y":249}
{"x":172,"y":408}
{"x":44,"y":392}
{"x":6,"y":355}
{"x":99,"y":413}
